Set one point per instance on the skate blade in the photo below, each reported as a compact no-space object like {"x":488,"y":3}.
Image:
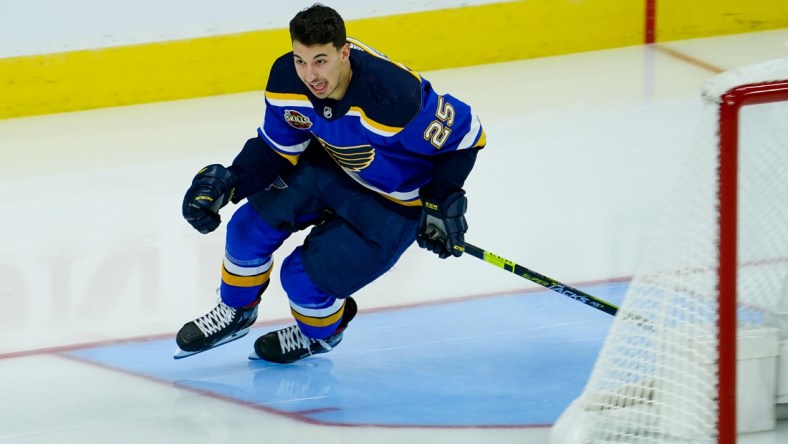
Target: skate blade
{"x":180,"y":353}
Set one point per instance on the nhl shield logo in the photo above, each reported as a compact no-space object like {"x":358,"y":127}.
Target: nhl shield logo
{"x":327,"y":112}
{"x":297,"y":120}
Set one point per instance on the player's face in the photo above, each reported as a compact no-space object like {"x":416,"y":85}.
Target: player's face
{"x":324,"y":69}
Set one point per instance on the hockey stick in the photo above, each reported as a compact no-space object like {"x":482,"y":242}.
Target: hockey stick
{"x":541,"y":279}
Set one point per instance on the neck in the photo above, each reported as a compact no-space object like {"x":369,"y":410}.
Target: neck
{"x":344,"y":83}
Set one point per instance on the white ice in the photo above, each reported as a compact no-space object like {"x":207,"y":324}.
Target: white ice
{"x":582,"y":152}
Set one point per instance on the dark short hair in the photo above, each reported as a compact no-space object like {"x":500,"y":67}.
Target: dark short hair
{"x":318,"y":25}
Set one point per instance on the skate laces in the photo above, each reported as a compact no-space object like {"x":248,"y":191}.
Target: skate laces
{"x":291,"y":339}
{"x":218,"y":318}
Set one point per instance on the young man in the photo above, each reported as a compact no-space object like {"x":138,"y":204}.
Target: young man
{"x":359,"y":148}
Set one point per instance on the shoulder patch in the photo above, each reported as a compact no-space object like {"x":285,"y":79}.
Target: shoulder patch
{"x":297,"y":120}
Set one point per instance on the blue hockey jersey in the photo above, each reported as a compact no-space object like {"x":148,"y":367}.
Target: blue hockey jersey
{"x":384,"y":131}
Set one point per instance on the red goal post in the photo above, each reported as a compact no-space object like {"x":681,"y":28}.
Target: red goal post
{"x":731,"y":103}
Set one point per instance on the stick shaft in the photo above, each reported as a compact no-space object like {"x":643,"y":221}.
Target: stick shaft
{"x":541,"y":279}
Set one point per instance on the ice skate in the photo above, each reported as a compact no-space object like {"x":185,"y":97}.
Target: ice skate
{"x":221,"y":325}
{"x":290,"y":344}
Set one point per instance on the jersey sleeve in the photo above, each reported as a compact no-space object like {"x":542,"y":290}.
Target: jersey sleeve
{"x":281,"y":136}
{"x":444,"y":124}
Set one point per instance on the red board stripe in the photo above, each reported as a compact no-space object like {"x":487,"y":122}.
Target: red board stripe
{"x":651,"y":19}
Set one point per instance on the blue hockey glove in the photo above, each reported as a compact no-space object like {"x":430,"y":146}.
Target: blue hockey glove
{"x":211,"y":189}
{"x":442,"y":226}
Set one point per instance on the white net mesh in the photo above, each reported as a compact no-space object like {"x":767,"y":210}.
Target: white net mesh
{"x":655,"y":381}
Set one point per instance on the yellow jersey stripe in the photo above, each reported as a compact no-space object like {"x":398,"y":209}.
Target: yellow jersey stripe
{"x":281,"y":99}
{"x":376,"y":127}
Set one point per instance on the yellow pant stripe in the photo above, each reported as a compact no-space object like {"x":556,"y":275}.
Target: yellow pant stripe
{"x":245,"y":281}
{"x":319,"y":322}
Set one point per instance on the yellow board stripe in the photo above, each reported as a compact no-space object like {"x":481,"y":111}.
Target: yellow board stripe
{"x":497,"y":32}
{"x":221,"y":64}
{"x":245,"y":281}
{"x":681,"y":19}
{"x":137,"y":74}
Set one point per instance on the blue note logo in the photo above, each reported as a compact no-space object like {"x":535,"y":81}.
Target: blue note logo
{"x":351,"y":158}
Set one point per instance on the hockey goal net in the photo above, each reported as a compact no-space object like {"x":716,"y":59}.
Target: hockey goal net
{"x":715,"y":275}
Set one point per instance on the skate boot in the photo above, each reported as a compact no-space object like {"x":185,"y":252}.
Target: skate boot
{"x":290,"y":344}
{"x":221,"y":325}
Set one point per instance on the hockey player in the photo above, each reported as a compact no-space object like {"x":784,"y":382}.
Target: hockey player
{"x":354,"y":145}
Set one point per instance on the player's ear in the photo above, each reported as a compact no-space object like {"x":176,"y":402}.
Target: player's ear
{"x":345,"y":51}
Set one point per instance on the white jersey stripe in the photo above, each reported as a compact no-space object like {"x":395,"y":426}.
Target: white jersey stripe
{"x":290,"y":103}
{"x":472,"y":134}
{"x":292,"y":149}
{"x":403,"y":196}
